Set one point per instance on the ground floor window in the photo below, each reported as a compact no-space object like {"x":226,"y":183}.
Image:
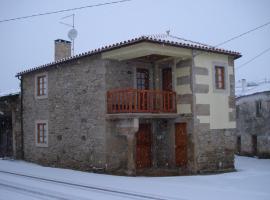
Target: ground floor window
{"x":42,"y":133}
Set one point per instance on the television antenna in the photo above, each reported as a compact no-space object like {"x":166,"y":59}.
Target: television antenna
{"x":72,"y":33}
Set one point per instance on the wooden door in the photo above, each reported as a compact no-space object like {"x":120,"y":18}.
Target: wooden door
{"x":238,"y":145}
{"x":143,"y":148}
{"x":167,"y":86}
{"x":142,"y":78}
{"x":5,"y":136}
{"x":167,"y":79}
{"x":181,"y":144}
{"x":254,"y":145}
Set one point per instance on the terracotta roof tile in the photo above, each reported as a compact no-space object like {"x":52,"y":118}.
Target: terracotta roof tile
{"x":153,"y":39}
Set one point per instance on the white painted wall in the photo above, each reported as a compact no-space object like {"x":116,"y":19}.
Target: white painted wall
{"x":183,"y":89}
{"x":219,"y":106}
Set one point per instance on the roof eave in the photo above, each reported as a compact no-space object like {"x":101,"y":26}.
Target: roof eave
{"x":236,"y":55}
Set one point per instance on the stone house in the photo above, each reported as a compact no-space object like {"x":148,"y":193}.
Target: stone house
{"x":10,"y":126}
{"x":145,"y":106}
{"x":253,"y":119}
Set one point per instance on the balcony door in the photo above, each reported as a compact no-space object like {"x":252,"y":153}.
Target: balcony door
{"x":142,"y":78}
{"x":167,"y":86}
{"x":167,"y":79}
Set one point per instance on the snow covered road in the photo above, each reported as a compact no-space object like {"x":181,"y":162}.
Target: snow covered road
{"x":251,"y":181}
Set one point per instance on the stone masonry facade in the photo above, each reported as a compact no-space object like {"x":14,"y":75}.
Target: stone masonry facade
{"x":10,"y":108}
{"x":82,"y":135}
{"x":253,"y":127}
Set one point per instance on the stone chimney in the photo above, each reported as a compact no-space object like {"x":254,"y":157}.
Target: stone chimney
{"x":62,"y":49}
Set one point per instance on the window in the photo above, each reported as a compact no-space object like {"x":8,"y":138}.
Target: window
{"x":237,"y":111}
{"x":42,"y":133}
{"x":41,"y":86}
{"x":258,"y":108}
{"x":41,"y":81}
{"x":142,"y":77}
{"x":220,"y":77}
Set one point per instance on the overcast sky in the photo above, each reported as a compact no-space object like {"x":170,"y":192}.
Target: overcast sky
{"x":30,"y":42}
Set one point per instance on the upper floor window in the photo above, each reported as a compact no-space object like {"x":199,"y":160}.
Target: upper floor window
{"x":142,"y":77}
{"x":42,"y":133}
{"x":220,"y":77}
{"x":41,"y":85}
{"x":237,"y":111}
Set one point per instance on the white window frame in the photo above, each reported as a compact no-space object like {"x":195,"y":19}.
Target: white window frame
{"x":46,"y":133}
{"x":46,"y":86}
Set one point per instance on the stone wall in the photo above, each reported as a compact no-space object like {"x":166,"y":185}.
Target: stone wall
{"x":16,"y":128}
{"x":215,"y":149}
{"x":75,"y":112}
{"x":251,"y":123}
{"x":10,"y":108}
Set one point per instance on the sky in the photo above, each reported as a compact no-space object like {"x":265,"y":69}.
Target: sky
{"x":30,"y":42}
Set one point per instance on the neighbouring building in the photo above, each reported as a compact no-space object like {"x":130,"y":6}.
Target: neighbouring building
{"x":145,"y":106}
{"x":253,"y":119}
{"x":10,"y":126}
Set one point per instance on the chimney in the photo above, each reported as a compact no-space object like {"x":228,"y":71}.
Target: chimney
{"x":244,"y":85}
{"x":62,"y":49}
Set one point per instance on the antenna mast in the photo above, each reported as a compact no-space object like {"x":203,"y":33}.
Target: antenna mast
{"x":72,"y":33}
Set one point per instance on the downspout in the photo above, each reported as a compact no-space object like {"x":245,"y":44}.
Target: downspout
{"x":193,"y":107}
{"x":22,"y":135}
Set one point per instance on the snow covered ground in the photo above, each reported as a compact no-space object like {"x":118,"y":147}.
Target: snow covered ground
{"x":251,"y":181}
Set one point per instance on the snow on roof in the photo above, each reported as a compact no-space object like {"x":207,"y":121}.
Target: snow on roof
{"x":9,"y":92}
{"x":252,"y":89}
{"x":163,"y":39}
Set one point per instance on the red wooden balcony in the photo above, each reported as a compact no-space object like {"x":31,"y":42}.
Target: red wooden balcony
{"x":141,"y":101}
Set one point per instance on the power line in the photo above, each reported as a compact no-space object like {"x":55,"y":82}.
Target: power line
{"x":242,"y":34}
{"x":226,"y":41}
{"x":61,"y":11}
{"x":257,"y":56}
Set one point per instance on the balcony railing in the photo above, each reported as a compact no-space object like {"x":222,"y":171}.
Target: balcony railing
{"x":141,"y":101}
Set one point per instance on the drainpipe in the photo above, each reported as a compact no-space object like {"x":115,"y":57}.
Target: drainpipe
{"x":22,"y":139}
{"x":194,"y":113}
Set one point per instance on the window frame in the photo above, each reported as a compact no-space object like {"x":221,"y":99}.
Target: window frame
{"x":225,"y":77}
{"x":220,"y":77}
{"x":141,"y":81}
{"x":45,"y":136}
{"x":43,"y":84}
{"x":258,"y":105}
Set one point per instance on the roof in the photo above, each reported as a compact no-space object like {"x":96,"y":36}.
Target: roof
{"x":163,"y":39}
{"x":9,"y":94}
{"x":253,"y":89}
